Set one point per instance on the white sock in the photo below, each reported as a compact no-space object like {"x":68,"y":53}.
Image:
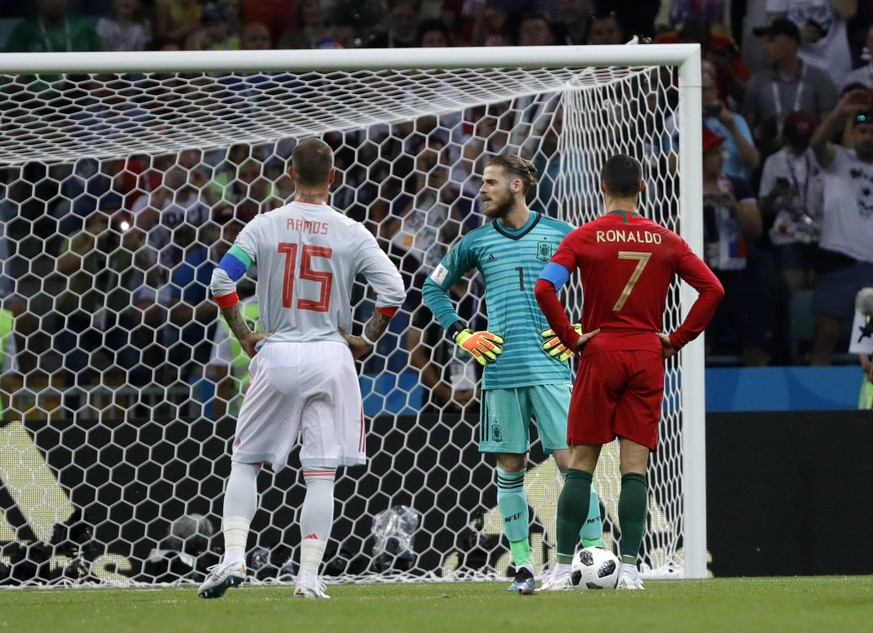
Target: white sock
{"x":561,"y":570}
{"x":316,"y":517}
{"x":240,"y":504}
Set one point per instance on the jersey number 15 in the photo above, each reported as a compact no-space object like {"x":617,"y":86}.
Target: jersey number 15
{"x":324,"y":278}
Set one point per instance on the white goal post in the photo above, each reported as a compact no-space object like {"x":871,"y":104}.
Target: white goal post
{"x":91,"y":449}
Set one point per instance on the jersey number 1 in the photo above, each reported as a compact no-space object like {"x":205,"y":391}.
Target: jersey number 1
{"x":642,"y":260}
{"x":306,"y":272}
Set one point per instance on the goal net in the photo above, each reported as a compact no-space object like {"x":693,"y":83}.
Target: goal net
{"x":125,"y":177}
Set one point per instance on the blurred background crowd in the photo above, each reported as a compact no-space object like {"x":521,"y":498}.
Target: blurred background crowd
{"x":110,"y":267}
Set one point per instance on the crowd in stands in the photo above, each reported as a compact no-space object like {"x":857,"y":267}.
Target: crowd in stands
{"x":787,"y":156}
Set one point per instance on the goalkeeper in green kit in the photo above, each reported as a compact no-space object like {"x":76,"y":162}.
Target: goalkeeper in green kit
{"x":526,"y":374}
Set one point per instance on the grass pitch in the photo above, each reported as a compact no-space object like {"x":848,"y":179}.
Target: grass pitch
{"x":735,"y":605}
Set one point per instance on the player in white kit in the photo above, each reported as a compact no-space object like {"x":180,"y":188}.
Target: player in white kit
{"x":303,"y":374}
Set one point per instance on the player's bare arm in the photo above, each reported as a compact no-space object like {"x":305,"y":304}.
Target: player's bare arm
{"x":237,"y":324}
{"x":373,"y":330}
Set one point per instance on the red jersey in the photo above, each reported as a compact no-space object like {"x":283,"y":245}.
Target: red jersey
{"x":627,"y":263}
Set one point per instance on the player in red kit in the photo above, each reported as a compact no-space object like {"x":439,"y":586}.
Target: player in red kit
{"x":627,"y":263}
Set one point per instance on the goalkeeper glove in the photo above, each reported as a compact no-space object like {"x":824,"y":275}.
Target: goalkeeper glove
{"x":553,"y":345}
{"x":485,"y":347}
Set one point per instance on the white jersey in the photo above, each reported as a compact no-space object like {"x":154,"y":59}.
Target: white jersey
{"x":308,"y":256}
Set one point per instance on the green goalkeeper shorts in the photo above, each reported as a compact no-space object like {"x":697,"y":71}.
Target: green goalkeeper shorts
{"x":505,"y":417}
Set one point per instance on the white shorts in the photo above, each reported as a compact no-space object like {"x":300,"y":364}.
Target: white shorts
{"x":307,"y":389}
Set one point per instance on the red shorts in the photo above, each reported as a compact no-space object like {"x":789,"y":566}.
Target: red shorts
{"x":617,"y":393}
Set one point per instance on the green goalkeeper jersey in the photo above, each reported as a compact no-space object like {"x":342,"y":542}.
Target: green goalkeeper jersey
{"x":510,"y":260}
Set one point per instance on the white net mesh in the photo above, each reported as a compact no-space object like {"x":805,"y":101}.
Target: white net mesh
{"x":123,"y":190}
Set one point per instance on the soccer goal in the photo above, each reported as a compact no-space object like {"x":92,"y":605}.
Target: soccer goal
{"x":126,"y":176}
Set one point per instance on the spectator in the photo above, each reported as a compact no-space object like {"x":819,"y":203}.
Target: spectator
{"x":845,"y":256}
{"x":216,"y":33}
{"x":461,"y":16}
{"x":188,"y":335}
{"x":310,"y":27}
{"x":402,"y":17}
{"x":731,"y":224}
{"x":175,"y":21}
{"x":489,"y":29}
{"x":742,"y":155}
{"x":100,"y":265}
{"x":276,"y":15}
{"x":788,"y":85}
{"x":791,"y":196}
{"x":249,"y":194}
{"x":52,"y":30}
{"x":175,"y":202}
{"x":433,"y":33}
{"x":254,"y":36}
{"x":534,"y":30}
{"x":710,"y":10}
{"x":722,"y":51}
{"x":864,"y":74}
{"x":605,"y":29}
{"x":126,"y":28}
{"x":574,"y":17}
{"x":824,"y":40}
{"x":427,"y":221}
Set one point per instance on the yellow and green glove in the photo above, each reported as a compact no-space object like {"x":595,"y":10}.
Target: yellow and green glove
{"x":485,"y":347}
{"x":553,"y":345}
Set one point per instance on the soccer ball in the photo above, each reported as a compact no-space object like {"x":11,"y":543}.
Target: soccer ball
{"x":595,"y":568}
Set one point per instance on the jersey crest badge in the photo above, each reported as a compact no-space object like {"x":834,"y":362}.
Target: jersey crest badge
{"x":545,"y":250}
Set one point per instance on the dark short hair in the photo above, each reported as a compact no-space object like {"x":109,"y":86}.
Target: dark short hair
{"x":312,"y":160}
{"x":518,"y":167}
{"x":433,"y":24}
{"x":622,"y":175}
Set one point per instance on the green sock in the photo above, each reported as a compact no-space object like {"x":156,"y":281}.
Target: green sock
{"x":592,"y":531}
{"x":512,"y":503}
{"x":573,"y":507}
{"x":633,"y":505}
{"x":520,"y":552}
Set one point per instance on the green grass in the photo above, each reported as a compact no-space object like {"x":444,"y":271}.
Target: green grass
{"x":771,"y":605}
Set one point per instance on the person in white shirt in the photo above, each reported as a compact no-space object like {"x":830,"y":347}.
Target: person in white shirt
{"x":824,"y":40}
{"x":303,"y":374}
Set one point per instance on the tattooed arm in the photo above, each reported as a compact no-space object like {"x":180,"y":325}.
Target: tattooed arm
{"x":237,"y":324}
{"x":375,"y":327}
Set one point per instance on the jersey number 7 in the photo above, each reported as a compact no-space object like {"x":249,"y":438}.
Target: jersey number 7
{"x":642,"y":260}
{"x":324,"y":278}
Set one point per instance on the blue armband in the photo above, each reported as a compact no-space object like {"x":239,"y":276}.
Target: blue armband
{"x":235,"y":263}
{"x":556,"y":274}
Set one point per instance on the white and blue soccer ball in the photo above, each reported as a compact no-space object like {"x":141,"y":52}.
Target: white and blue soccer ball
{"x":595,"y":568}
